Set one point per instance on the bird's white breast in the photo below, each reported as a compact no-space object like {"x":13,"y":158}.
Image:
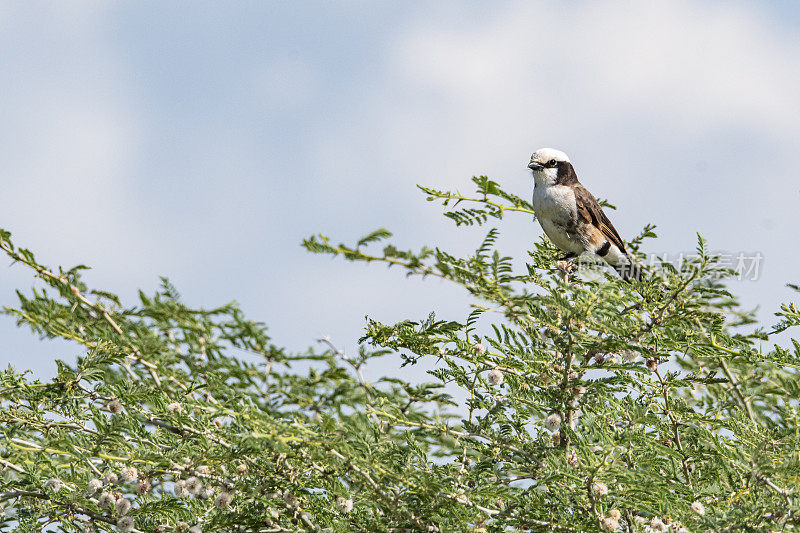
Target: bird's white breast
{"x":556,"y":210}
{"x":554,"y":201}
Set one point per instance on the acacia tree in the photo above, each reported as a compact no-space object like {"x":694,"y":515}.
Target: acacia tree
{"x":592,"y":404}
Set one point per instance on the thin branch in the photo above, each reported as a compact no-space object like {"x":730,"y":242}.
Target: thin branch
{"x":675,"y":432}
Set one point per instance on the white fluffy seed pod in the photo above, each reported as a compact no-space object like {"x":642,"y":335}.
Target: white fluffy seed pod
{"x":495,"y":376}
{"x":125,"y":524}
{"x":129,"y":474}
{"x":553,"y":421}
{"x":180,"y":489}
{"x":122,"y":506}
{"x":223,"y":500}
{"x":94,"y":485}
{"x":106,"y":500}
{"x":479,"y":349}
{"x":630,"y":356}
{"x":114,"y":406}
{"x":345,"y":505}
{"x":194,"y":485}
{"x":609,"y":524}
{"x":656,"y":524}
{"x":53,"y":484}
{"x":143,"y":487}
{"x":698,"y":508}
{"x":600,"y":489}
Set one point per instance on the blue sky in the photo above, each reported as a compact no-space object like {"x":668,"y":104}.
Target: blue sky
{"x":203,"y":141}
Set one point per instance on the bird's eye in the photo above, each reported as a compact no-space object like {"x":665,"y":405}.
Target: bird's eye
{"x":552,"y":162}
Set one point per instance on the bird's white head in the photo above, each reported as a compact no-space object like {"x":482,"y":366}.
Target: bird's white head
{"x":545,"y":165}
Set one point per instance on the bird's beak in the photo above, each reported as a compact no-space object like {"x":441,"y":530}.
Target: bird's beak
{"x":533,"y":165}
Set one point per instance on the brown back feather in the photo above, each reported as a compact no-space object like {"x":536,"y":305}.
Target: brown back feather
{"x":588,"y":207}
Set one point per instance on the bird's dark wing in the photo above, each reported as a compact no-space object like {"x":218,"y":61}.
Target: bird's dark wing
{"x":589,"y":211}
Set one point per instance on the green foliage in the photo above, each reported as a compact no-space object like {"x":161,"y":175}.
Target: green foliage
{"x":589,"y":404}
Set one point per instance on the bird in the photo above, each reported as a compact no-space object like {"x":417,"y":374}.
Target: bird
{"x":572,"y":218}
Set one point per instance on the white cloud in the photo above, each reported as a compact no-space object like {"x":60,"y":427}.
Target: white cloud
{"x":694,"y":64}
